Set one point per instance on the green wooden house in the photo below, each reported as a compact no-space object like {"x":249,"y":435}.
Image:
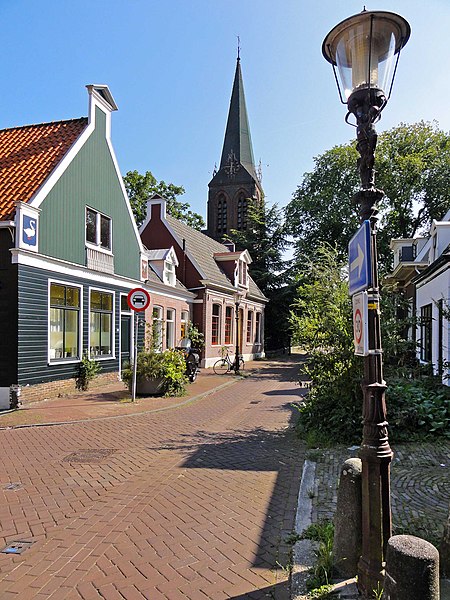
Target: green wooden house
{"x":69,"y":254}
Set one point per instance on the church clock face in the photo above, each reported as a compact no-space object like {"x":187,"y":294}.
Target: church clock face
{"x":232,"y":166}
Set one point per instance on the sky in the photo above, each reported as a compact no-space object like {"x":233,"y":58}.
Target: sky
{"x":170,"y":65}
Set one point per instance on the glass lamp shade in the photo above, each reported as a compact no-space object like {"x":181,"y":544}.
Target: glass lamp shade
{"x":363,"y":48}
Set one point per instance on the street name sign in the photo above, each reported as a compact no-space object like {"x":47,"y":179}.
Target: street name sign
{"x":360,"y":260}
{"x":360,"y":324}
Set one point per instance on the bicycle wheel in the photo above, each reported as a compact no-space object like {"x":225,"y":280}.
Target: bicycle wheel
{"x":221,"y":366}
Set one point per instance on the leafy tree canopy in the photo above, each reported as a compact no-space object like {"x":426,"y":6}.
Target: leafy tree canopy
{"x":413,"y":170}
{"x":266,"y":240}
{"x":141,"y":187}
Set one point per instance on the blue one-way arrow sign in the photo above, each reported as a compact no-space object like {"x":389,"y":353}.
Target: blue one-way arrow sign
{"x":360,"y":260}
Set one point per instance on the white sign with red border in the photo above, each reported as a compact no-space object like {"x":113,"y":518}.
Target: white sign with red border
{"x":138,"y":299}
{"x":360,"y":324}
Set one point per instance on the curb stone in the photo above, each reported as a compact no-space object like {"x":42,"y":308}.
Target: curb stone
{"x":303,"y":550}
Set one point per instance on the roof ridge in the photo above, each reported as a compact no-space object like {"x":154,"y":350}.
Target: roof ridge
{"x":44,"y":123}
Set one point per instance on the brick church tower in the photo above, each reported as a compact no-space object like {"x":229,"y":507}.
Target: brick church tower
{"x":236,"y":181}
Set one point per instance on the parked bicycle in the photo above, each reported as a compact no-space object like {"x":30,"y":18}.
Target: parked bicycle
{"x":225,"y":365}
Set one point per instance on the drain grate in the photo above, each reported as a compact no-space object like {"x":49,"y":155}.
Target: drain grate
{"x":16,"y":547}
{"x":11,"y":487}
{"x":89,"y":456}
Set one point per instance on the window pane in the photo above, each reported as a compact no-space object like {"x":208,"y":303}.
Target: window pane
{"x":71,"y":334}
{"x":107,"y":302}
{"x":91,"y":226}
{"x":56,"y":332}
{"x":124,"y":304}
{"x":95,"y":333}
{"x":73,"y":297}
{"x":96,"y":300}
{"x":57,"y":294}
{"x":105,"y":334}
{"x":105,"y":232}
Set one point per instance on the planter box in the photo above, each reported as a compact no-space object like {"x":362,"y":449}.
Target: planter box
{"x":150,"y":387}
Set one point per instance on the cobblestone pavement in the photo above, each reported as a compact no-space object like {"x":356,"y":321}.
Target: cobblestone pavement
{"x":195,"y":502}
{"x":420,"y":486}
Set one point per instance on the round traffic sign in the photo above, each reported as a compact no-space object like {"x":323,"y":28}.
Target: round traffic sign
{"x":138,"y":299}
{"x":358,"y":326}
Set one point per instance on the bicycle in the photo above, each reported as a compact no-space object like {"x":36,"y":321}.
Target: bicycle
{"x":224,"y":364}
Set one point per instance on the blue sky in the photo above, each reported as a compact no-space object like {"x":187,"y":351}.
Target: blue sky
{"x":170,"y":66}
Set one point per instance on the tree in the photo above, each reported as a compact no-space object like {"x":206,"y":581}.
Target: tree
{"x":321,"y":322}
{"x":141,"y":187}
{"x":266,"y":240}
{"x":413,"y":169}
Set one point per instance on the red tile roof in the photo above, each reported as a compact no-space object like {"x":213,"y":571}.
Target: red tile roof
{"x":27,"y":157}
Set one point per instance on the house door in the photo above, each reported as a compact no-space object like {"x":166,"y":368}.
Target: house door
{"x":125,"y":339}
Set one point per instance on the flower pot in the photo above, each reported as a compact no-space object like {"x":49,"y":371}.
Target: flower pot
{"x":153,"y":386}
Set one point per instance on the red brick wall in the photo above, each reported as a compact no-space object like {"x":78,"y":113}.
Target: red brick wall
{"x":55,"y":389}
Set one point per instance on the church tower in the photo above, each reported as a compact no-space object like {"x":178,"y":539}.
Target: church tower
{"x":236,"y":181}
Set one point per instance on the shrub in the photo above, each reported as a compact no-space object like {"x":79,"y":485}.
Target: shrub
{"x":87,"y":370}
{"x":169,"y":365}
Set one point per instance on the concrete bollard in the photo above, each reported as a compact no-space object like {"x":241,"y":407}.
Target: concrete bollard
{"x":412,"y":569}
{"x":444,"y":548}
{"x":348,"y":520}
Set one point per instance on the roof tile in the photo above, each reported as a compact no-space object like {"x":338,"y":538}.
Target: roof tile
{"x":28,"y":155}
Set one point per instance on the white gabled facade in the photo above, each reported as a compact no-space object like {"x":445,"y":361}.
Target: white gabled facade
{"x":424,"y":275}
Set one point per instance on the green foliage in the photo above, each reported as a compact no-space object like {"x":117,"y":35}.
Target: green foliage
{"x":87,"y":370}
{"x":413,"y":168}
{"x":197,"y":338}
{"x":170,"y":365}
{"x":418,"y":408}
{"x":321,"y":321}
{"x":141,"y":187}
{"x":321,"y":593}
{"x":321,"y":572}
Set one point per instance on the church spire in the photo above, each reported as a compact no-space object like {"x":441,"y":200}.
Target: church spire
{"x":237,"y":146}
{"x":236,"y":182}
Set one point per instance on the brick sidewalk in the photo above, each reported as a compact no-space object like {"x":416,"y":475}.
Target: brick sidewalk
{"x":193,"y":502}
{"x":420,"y":486}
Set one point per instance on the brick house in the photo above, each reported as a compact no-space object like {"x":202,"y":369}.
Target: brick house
{"x":218,"y":276}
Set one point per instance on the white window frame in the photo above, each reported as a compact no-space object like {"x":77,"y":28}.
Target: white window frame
{"x":170,"y":277}
{"x":219,"y":324}
{"x":58,"y":361}
{"x":97,"y":245}
{"x":113,"y":326}
{"x":170,"y":328}
{"x":184,"y":322}
{"x":160,"y":329}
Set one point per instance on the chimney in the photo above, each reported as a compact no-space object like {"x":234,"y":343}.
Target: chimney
{"x":229,"y":245}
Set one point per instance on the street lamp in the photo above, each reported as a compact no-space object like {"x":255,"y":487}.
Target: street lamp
{"x":237,"y":296}
{"x":365,"y":49}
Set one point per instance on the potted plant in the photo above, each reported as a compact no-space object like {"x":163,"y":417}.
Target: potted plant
{"x":158,"y":373}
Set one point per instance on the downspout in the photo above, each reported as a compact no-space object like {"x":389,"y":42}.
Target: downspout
{"x":184,"y":261}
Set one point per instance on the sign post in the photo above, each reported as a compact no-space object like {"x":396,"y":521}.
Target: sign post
{"x":138,"y":300}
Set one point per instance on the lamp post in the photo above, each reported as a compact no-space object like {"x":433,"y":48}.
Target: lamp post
{"x":237,"y":301}
{"x":365,"y":49}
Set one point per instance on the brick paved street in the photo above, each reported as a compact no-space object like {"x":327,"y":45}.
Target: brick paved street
{"x":194,"y":502}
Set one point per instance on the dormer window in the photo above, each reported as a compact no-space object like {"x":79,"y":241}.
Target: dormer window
{"x":98,"y":229}
{"x":243,"y":273}
{"x":169,"y":273}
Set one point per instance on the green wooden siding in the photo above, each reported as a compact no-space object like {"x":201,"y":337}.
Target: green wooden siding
{"x":33,"y":364}
{"x":90,"y":180}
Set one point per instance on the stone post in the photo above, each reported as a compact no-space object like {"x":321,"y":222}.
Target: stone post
{"x":412,"y":569}
{"x":348,"y":520}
